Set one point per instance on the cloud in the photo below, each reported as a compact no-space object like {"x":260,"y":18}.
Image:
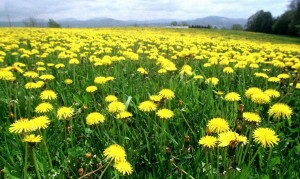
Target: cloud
{"x":136,"y":9}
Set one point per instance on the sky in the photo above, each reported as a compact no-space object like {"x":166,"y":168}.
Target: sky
{"x":16,"y":10}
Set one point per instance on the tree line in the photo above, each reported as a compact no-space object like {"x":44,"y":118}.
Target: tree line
{"x":286,"y":24}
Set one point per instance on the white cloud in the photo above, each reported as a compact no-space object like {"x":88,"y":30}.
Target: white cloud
{"x":137,"y":9}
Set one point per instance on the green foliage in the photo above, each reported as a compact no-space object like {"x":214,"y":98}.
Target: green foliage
{"x":237,"y":27}
{"x":53,"y":24}
{"x":260,"y":22}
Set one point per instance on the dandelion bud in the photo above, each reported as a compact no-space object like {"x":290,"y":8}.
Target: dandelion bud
{"x":186,"y":141}
{"x":207,"y":131}
{"x":168,"y":152}
{"x":2,"y":171}
{"x":180,"y":103}
{"x":11,"y":115}
{"x":239,"y":127}
{"x":88,"y":155}
{"x":80,"y":171}
{"x":241,"y":108}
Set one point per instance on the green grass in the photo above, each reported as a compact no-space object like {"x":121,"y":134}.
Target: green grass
{"x":145,"y":137}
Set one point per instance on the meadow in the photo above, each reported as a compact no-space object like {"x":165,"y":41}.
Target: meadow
{"x":148,"y":103}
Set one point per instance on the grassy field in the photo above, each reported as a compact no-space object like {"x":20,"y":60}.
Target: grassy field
{"x":148,"y":103}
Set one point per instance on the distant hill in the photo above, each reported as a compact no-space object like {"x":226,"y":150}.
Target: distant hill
{"x":214,"y":21}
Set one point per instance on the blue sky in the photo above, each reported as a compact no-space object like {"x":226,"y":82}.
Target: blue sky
{"x":136,"y":9}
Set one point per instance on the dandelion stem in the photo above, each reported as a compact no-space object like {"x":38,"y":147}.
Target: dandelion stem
{"x":46,"y":149}
{"x":35,"y":164}
{"x":105,"y":168}
{"x":90,"y":173}
{"x":26,"y":160}
{"x":253,"y":158}
{"x":187,"y":123}
{"x":181,"y":170}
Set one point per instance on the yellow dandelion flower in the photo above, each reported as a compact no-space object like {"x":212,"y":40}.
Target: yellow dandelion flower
{"x":260,"y":98}
{"x":43,"y":107}
{"x":228,"y":70}
{"x":123,"y":167}
{"x":74,"y":61}
{"x":261,"y":75}
{"x":198,"y":77}
{"x":147,"y":106}
{"x":48,"y":95}
{"x":251,"y":117}
{"x":94,"y":118}
{"x":226,"y":138}
{"x":283,"y":76}
{"x":265,"y":136}
{"x":272,"y":93}
{"x":166,"y":94}
{"x":100,"y":80}
{"x":213,"y":80}
{"x":91,"y":89}
{"x":32,"y":138}
{"x":116,"y":106}
{"x":68,"y":81}
{"x":41,"y":122}
{"x":21,"y":125}
{"x":208,"y":141}
{"x":142,"y":71}
{"x":161,"y":71}
{"x":31,"y":74}
{"x":65,"y":112}
{"x":31,"y":85}
{"x":47,"y":77}
{"x":155,"y":98}
{"x":232,"y":96}
{"x":111,"y":98}
{"x":218,"y":125}
{"x":274,"y":79}
{"x":59,"y":65}
{"x":249,"y":92}
{"x":280,"y":110}
{"x":115,"y":152}
{"x":165,"y":113}
{"x":298,"y":86}
{"x":124,"y":115}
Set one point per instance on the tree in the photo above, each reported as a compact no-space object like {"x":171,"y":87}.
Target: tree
{"x":282,"y":23}
{"x":53,"y":24}
{"x":260,"y":22}
{"x":184,"y":23}
{"x":173,"y":23}
{"x":31,"y":22}
{"x":237,"y":27}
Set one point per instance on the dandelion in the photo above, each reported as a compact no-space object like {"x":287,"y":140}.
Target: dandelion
{"x":228,"y":70}
{"x":94,"y":118}
{"x":41,"y":122}
{"x":261,"y":75}
{"x":124,"y":115}
{"x":123,"y":167}
{"x":115,"y":152}
{"x":249,"y":92}
{"x":47,"y":77}
{"x":274,"y":79}
{"x":280,"y":110}
{"x":68,"y":81}
{"x":265,"y":136}
{"x":111,"y":98}
{"x":147,"y":106}
{"x":155,"y":98}
{"x":32,"y":138}
{"x":21,"y":125}
{"x":213,"y":80}
{"x":100,"y":80}
{"x":272,"y":93}
{"x":260,"y":98}
{"x":142,"y":71}
{"x":232,"y":97}
{"x":218,"y":125}
{"x":208,"y":141}
{"x":43,"y":108}
{"x":65,"y":112}
{"x":59,"y":65}
{"x":251,"y":117}
{"x":226,"y":138}
{"x":198,"y":77}
{"x":116,"y":106}
{"x":31,"y":85}
{"x":48,"y":95}
{"x":74,"y":61}
{"x":91,"y":89}
{"x":31,"y":74}
{"x":165,"y":113}
{"x":166,"y":94}
{"x":283,"y":76}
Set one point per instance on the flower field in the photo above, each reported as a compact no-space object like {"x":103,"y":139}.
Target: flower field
{"x":148,"y":103}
